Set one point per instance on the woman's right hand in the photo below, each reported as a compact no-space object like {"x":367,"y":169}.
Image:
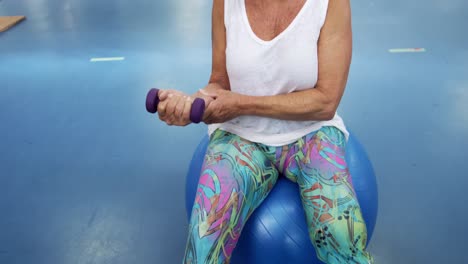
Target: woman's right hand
{"x":174,"y":106}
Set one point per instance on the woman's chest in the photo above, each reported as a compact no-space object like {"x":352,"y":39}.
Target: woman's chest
{"x":271,"y":70}
{"x":269,"y":20}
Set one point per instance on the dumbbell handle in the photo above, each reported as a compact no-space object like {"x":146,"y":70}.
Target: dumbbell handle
{"x":196,"y":112}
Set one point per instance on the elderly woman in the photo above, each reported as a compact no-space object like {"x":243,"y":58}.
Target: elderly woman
{"x":279,"y":71}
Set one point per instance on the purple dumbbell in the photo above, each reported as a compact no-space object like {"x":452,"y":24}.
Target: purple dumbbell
{"x":196,"y":112}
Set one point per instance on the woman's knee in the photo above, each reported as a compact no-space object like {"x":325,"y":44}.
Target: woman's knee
{"x":341,"y":239}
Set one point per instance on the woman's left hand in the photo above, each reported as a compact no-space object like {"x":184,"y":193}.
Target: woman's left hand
{"x":226,"y":106}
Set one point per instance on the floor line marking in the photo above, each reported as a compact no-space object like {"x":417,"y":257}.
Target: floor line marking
{"x":107,"y":59}
{"x":406,"y":50}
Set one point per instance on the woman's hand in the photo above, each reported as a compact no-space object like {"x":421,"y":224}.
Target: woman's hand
{"x":174,"y":106}
{"x":225,"y":106}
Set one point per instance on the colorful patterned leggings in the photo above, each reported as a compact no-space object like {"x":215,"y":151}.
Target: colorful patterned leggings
{"x":238,"y":174}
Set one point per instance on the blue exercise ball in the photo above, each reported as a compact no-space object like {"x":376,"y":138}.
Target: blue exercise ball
{"x":277,"y":232}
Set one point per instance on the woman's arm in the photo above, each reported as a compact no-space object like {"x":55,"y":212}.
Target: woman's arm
{"x":219,"y":73}
{"x":174,"y":107}
{"x":334,"y":56}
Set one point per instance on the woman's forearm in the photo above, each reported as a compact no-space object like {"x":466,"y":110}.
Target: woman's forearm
{"x":311,"y":104}
{"x":219,"y":81}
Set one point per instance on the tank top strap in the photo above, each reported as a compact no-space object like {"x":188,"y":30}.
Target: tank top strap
{"x":231,"y":8}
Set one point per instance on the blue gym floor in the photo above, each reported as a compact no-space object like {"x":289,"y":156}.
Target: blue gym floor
{"x":88,"y":176}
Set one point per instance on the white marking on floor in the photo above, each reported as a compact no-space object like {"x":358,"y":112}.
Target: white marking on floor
{"x":107,"y":59}
{"x":405,"y":50}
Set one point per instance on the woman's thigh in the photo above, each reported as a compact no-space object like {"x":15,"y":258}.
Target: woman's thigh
{"x":336,"y":226}
{"x":236,"y":177}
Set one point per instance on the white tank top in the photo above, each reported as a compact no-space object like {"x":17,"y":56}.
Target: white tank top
{"x":283,"y":65}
